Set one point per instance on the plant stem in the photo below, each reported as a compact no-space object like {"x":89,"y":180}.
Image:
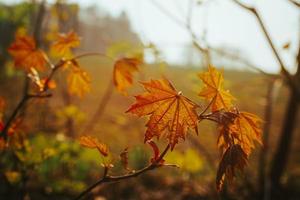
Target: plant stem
{"x":108,"y":179}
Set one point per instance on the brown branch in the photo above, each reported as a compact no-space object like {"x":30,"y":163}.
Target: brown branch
{"x":40,"y":94}
{"x":241,"y":59}
{"x":109,"y":179}
{"x":295,"y":3}
{"x":284,"y":71}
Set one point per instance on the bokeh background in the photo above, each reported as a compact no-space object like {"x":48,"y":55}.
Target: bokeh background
{"x":168,"y":33}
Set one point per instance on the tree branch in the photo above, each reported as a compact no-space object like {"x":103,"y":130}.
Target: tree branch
{"x":284,"y":71}
{"x":108,"y":179}
{"x":295,"y":3}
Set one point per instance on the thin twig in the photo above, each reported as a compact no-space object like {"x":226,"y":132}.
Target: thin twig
{"x":108,"y":179}
{"x":295,"y":3}
{"x":284,"y":71}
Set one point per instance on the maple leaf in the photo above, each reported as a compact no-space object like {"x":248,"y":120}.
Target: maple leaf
{"x":123,"y":71}
{"x":26,"y":54}
{"x":94,"y":143}
{"x":78,"y":80}
{"x":214,"y":91}
{"x":65,"y":42}
{"x":245,"y":130}
{"x":233,"y":158}
{"x":171,"y":114}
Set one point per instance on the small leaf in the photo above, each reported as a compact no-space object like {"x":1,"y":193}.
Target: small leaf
{"x":25,"y":53}
{"x":233,"y":158}
{"x":94,"y":143}
{"x":214,"y":91}
{"x":124,"y":158}
{"x":78,"y":80}
{"x":286,"y":45}
{"x":123,"y":72}
{"x":171,"y":113}
{"x":245,"y":130}
{"x":65,"y":42}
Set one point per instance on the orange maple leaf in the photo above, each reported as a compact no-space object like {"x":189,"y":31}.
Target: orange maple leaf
{"x":78,"y":80}
{"x":94,"y":143}
{"x":233,"y":158}
{"x":214,"y":91}
{"x":25,"y":53}
{"x":65,"y":42}
{"x":123,"y":71}
{"x":245,"y":130}
{"x":171,"y":114}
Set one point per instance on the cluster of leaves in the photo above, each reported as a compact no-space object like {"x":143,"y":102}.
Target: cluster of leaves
{"x":171,"y":114}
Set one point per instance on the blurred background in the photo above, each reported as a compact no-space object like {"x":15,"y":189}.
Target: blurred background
{"x":178,"y":39}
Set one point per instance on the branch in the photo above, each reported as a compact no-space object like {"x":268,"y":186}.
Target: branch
{"x":108,"y":179}
{"x":284,"y":71}
{"x":295,"y":3}
{"x":241,"y":59}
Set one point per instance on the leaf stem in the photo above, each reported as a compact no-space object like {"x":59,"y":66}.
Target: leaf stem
{"x":91,"y":54}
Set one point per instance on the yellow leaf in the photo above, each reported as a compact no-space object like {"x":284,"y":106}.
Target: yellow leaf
{"x":78,"y":81}
{"x":245,"y":130}
{"x":214,"y":91}
{"x":13,"y":176}
{"x":65,"y":42}
{"x":94,"y":143}
{"x":123,"y":71}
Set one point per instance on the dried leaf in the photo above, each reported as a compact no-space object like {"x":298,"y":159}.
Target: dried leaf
{"x":25,"y":53}
{"x":123,"y":71}
{"x":78,"y":81}
{"x":214,"y":91}
{"x":65,"y":42}
{"x":171,"y":114}
{"x":245,"y":130}
{"x":94,"y":143}
{"x":124,"y":158}
{"x":233,"y":158}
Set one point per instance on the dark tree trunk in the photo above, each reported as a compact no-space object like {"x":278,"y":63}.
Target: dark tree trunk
{"x":281,"y":155}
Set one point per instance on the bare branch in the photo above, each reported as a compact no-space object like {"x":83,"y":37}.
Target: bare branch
{"x":109,"y":179}
{"x":295,"y":3}
{"x":251,"y":9}
{"x":284,"y":71}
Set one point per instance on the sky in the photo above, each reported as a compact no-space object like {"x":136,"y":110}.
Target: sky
{"x":225,"y":24}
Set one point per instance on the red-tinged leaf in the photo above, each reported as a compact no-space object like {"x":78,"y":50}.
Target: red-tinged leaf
{"x":94,"y":143}
{"x":233,"y":158}
{"x":171,"y":113}
{"x":245,"y":131}
{"x":26,"y":55}
{"x":123,"y":72}
{"x":124,"y":158}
